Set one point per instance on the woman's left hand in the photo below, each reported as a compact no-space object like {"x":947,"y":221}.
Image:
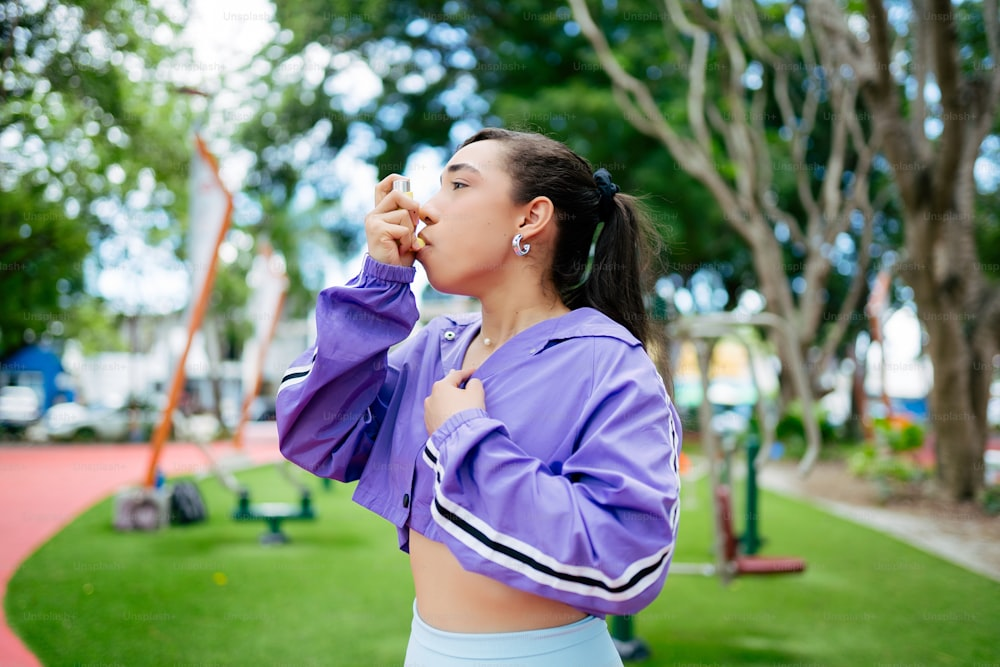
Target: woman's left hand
{"x":448,"y":398}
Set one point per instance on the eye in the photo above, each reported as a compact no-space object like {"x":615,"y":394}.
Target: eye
{"x":456,"y":185}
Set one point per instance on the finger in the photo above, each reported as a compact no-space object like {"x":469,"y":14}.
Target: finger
{"x":397,"y":200}
{"x":456,"y":377}
{"x":394,"y":223}
{"x":400,"y":237}
{"x":384,"y":187}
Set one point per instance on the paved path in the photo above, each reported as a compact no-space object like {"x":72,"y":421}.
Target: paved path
{"x":955,"y":537}
{"x":44,"y":487}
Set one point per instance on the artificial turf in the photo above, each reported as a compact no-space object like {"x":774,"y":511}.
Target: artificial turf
{"x":340,"y":594}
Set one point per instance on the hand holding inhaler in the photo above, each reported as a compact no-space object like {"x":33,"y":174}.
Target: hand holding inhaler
{"x":391,"y":227}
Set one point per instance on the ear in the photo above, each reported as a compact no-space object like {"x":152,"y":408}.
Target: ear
{"x":539,"y":216}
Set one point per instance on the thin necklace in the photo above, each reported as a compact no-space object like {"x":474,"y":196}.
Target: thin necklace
{"x":488,"y":342}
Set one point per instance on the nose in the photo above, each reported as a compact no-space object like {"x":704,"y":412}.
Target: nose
{"x":429,"y":211}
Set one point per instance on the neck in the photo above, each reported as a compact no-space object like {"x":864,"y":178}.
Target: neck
{"x":507,"y":313}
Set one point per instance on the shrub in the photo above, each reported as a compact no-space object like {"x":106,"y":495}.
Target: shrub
{"x":900,"y":434}
{"x":792,"y":427}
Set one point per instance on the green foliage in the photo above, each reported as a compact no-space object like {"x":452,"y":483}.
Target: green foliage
{"x":41,"y":266}
{"x":94,"y":327}
{"x":991,"y":500}
{"x":94,"y":152}
{"x":988,"y":234}
{"x":791,"y":425}
{"x":872,"y":463}
{"x":228,"y":302}
{"x":899,"y":435}
{"x":888,"y":461}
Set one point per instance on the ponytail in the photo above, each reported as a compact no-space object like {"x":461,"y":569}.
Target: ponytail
{"x":616,"y":278}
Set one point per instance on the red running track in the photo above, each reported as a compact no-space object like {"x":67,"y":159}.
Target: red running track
{"x":44,"y":487}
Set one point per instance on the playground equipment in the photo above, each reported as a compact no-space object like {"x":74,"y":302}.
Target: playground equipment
{"x":272,"y":513}
{"x":732,"y":559}
{"x":736,"y":555}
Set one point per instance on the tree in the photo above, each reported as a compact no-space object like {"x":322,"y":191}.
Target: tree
{"x":950,"y":56}
{"x":89,"y":153}
{"x":758,"y":93}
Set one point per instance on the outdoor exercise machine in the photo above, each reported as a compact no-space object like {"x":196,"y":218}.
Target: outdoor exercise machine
{"x":274,"y":514}
{"x":733,"y":557}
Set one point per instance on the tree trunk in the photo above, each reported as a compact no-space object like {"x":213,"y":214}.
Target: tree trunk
{"x":855,"y":427}
{"x":945,"y":290}
{"x":958,"y":422}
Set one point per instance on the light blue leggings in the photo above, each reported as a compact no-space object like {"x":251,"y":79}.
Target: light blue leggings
{"x":585,"y":643}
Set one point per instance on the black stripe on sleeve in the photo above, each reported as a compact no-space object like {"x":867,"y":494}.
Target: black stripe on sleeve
{"x":535,"y":565}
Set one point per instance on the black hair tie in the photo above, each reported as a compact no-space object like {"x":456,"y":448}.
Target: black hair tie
{"x":607,"y":189}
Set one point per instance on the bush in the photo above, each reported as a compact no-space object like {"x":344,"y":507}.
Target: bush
{"x":869,"y":463}
{"x":991,"y":500}
{"x":900,"y":434}
{"x":792,"y":426}
{"x":893,"y":474}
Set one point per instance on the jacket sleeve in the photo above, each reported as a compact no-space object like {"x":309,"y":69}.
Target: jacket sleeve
{"x":597,"y":532}
{"x":332,"y":399}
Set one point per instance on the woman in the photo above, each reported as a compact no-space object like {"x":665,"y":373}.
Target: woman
{"x":527,"y":455}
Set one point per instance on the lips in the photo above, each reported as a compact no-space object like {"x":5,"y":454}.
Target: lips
{"x":419,"y":230}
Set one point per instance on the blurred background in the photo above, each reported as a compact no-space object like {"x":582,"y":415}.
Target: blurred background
{"x":179,"y":178}
{"x":760,"y":142}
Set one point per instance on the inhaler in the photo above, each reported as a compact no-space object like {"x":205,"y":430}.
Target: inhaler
{"x":403,"y":185}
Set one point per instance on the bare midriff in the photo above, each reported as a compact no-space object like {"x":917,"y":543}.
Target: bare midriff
{"x":453,"y":599}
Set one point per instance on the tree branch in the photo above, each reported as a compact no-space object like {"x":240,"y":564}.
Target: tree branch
{"x":859,"y":200}
{"x":832,"y":196}
{"x":688,"y":154}
{"x":920,"y":57}
{"x":748,"y":24}
{"x":871,"y":65}
{"x":696,"y":74}
{"x":992,"y":18}
{"x":949,"y":79}
{"x":791,"y":121}
{"x":835,"y":334}
{"x":738,"y":138}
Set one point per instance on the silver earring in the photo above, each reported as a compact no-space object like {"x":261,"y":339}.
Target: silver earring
{"x":520,"y":250}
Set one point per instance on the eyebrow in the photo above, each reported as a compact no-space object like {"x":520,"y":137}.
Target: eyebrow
{"x":461,"y":166}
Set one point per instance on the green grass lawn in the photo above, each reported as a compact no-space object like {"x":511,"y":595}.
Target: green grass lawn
{"x":340,"y":594}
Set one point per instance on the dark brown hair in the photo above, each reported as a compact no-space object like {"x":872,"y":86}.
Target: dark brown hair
{"x":543,"y":167}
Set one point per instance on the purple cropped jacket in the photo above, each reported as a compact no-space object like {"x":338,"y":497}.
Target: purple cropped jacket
{"x":566,"y":486}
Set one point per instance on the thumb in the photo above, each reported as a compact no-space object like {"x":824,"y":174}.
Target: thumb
{"x":456,"y":377}
{"x":475,"y":385}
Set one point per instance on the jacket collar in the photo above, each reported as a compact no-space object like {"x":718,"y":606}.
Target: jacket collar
{"x":455,"y":333}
